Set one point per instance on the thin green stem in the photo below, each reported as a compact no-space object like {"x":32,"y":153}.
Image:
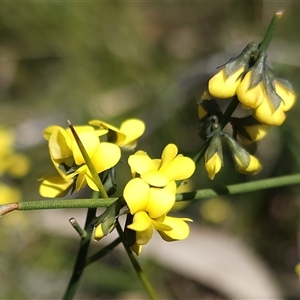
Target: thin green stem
{"x":270,"y":32}
{"x":82,"y":253}
{"x":72,"y":203}
{"x":241,"y":188}
{"x":141,"y":275}
{"x":102,"y":252}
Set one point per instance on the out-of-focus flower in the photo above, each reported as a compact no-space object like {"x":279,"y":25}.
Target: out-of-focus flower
{"x":9,"y":194}
{"x":297,"y":270}
{"x":125,"y":137}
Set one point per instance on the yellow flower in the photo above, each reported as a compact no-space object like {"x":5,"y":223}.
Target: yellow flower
{"x":223,"y":86}
{"x":139,"y":196}
{"x":125,"y":137}
{"x":69,"y":162}
{"x":9,"y":194}
{"x":213,"y":165}
{"x":170,"y":229}
{"x":297,"y":270}
{"x":252,"y":167}
{"x":159,"y":172}
{"x":266,"y":113}
{"x":287,"y":95}
{"x":250,"y":96}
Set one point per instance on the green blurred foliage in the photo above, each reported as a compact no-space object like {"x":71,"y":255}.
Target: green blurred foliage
{"x":112,"y":60}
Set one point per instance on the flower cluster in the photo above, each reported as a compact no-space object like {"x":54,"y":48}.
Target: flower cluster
{"x":250,"y":79}
{"x":151,"y":194}
{"x":13,"y":165}
{"x":72,"y":170}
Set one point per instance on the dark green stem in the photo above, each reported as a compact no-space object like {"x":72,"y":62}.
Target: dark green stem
{"x":270,"y":32}
{"x":102,"y":252}
{"x":82,"y":253}
{"x":141,"y":275}
{"x":241,"y":188}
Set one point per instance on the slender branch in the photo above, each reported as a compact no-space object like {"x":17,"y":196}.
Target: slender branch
{"x":141,"y":275}
{"x":241,"y":188}
{"x":82,"y":253}
{"x":270,"y":31}
{"x":103,"y":251}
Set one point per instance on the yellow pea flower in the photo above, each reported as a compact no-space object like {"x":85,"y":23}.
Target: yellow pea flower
{"x":252,"y":167}
{"x":266,"y":113}
{"x":224,"y":86}
{"x":250,"y":96}
{"x":159,"y":172}
{"x":255,"y":133}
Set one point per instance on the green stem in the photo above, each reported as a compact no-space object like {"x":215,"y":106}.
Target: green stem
{"x":82,"y":253}
{"x":72,"y":203}
{"x":270,"y":32}
{"x":142,"y":276}
{"x":102,"y":252}
{"x":241,"y":188}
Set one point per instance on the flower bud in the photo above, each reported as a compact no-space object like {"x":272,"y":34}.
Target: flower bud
{"x":243,"y":161}
{"x":286,"y":93}
{"x":224,"y":84}
{"x":213,"y":159}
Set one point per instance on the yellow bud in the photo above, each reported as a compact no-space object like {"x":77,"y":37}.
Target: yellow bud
{"x":267,"y":114}
{"x":98,"y":233}
{"x":287,"y":95}
{"x":253,"y":167}
{"x":223,"y":86}
{"x":250,"y":97}
{"x":213,"y":165}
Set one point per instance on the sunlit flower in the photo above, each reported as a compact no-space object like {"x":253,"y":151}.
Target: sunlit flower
{"x":170,"y":229}
{"x":267,"y":114}
{"x":125,"y":137}
{"x":249,"y":95}
{"x":224,"y":86}
{"x":139,"y":196}
{"x":69,"y":162}
{"x":159,"y":172}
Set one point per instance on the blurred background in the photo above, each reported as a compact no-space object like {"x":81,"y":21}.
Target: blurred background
{"x":149,"y":60}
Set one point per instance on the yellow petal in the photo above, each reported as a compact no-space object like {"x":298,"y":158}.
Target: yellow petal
{"x":161,"y":200}
{"x":256,"y":133}
{"x":114,"y":134}
{"x":55,"y":186}
{"x":60,"y":144}
{"x":221,"y":86}
{"x":133,"y":129}
{"x":136,"y":248}
{"x":168,"y":154}
{"x":266,"y":114}
{"x":213,"y":165}
{"x":90,"y":142}
{"x":253,"y":167}
{"x":179,"y":168}
{"x":155,"y":178}
{"x":106,"y":156}
{"x":136,"y":195}
{"x":287,"y":95}
{"x":141,"y":163}
{"x":9,"y":194}
{"x":180,"y":229}
{"x":250,"y":97}
{"x":49,"y":130}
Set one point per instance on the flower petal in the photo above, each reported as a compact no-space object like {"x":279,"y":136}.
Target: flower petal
{"x":55,"y":186}
{"x":133,"y":129}
{"x":155,"y":178}
{"x":161,"y":200}
{"x":179,"y":168}
{"x":106,"y":156}
{"x":59,"y":144}
{"x":141,"y":163}
{"x":180,"y":229}
{"x":168,"y":154}
{"x":136,"y":194}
